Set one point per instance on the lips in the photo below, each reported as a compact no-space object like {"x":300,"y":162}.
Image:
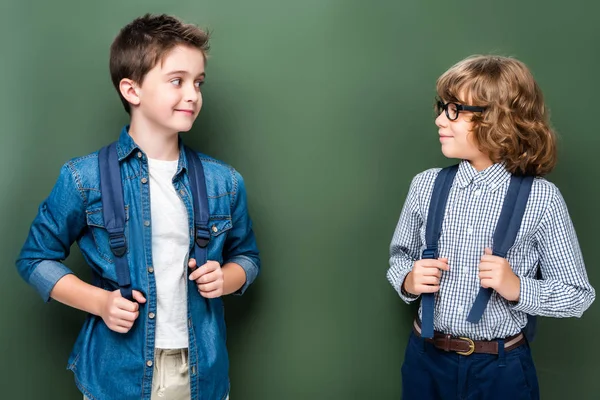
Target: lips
{"x":188,"y":112}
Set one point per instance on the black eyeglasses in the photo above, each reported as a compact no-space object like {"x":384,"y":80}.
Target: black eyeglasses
{"x":453,"y":109}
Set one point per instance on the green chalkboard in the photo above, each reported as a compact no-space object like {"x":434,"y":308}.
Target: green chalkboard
{"x":324,"y":106}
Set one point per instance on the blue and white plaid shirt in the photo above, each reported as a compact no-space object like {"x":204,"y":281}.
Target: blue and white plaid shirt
{"x":546,"y":239}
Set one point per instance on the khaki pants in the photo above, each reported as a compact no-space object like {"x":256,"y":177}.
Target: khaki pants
{"x":171,"y":380}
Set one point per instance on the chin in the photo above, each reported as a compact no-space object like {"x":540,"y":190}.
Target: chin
{"x":182,"y":127}
{"x":448,"y":153}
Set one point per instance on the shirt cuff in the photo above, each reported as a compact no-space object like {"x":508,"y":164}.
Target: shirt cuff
{"x":530,"y":296}
{"x":396,"y":277}
{"x":249,"y":268}
{"x":45,"y":276}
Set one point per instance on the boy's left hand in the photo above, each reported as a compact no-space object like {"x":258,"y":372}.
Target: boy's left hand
{"x":208,"y":277}
{"x":495,"y":272}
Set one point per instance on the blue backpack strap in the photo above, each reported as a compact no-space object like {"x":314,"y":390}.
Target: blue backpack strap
{"x":201,"y":214}
{"x":505,"y":234}
{"x":435,"y":217}
{"x":113,"y":208}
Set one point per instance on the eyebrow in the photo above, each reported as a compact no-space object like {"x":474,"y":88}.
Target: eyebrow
{"x":181,"y":72}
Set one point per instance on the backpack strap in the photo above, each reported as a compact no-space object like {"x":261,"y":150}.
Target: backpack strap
{"x":201,"y":214}
{"x":435,"y":218}
{"x":113,"y":209}
{"x":505,"y":234}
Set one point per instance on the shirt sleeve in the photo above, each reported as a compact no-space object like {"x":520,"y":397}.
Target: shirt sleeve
{"x":406,"y":243}
{"x":564,"y":290}
{"x":58,"y":223}
{"x":241,"y":247}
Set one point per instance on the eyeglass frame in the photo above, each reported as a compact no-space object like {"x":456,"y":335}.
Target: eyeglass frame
{"x":459,"y":107}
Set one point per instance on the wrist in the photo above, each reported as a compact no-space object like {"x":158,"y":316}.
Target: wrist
{"x":100,"y":297}
{"x":406,"y":285}
{"x":514,"y":290}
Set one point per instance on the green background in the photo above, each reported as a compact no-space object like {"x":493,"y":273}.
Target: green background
{"x":325,"y":108}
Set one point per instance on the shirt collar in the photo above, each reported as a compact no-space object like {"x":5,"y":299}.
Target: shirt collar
{"x":126,"y":146}
{"x":493,"y":176}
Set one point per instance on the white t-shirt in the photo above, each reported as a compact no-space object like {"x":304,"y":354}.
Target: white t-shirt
{"x":170,"y":244}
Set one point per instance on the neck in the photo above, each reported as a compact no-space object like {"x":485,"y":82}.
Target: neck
{"x":159,"y":144}
{"x":481,"y":164}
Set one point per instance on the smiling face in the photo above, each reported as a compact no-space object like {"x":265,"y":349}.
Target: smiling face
{"x":458,"y":141}
{"x":169,"y":98}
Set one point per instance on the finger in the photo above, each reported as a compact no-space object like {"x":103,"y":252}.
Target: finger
{"x":428,"y":288}
{"x":485,"y":275}
{"x":126,"y":305}
{"x":430,"y":280}
{"x":491,"y":258}
{"x":486,"y":266}
{"x":192,"y":263}
{"x":197,"y":273}
{"x":121,"y":315}
{"x":204,"y":269}
{"x":443,"y":259}
{"x":118,"y":329}
{"x":209,"y":287}
{"x":211,"y":295}
{"x":486,"y":283}
{"x":434,"y":264}
{"x":125,"y":325}
{"x":210,"y":277}
{"x":210,"y":266}
{"x":488,"y":251}
{"x":138,"y":296}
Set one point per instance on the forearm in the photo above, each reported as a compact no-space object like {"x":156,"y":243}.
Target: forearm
{"x":78,"y":294}
{"x":234,"y":277}
{"x":552,"y":298}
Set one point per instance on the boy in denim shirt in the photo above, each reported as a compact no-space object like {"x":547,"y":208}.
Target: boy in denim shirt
{"x":170,"y":340}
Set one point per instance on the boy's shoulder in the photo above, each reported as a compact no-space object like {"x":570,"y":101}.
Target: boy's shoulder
{"x":425,"y":179}
{"x":219,"y":174}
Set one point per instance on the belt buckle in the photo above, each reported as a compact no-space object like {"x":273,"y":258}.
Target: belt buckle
{"x":471,"y":347}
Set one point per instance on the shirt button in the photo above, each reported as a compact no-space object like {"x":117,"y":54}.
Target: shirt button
{"x":477,"y":192}
{"x":150,"y":269}
{"x":151,"y":315}
{"x":144,"y":180}
{"x":193,"y":370}
{"x":190,"y":322}
{"x":470,"y":230}
{"x":459,"y":309}
{"x":146,"y":223}
{"x":149,"y":363}
{"x":139,"y":154}
{"x":215,"y":229}
{"x":182,"y":192}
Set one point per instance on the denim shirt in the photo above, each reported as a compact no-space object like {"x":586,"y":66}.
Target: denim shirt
{"x":109,"y":365}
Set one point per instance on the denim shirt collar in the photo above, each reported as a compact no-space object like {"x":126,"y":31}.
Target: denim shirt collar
{"x":126,"y":146}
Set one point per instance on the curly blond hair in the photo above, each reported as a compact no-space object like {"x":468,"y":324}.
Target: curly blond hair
{"x":514,"y":129}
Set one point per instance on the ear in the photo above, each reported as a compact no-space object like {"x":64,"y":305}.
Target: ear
{"x":130,"y":91}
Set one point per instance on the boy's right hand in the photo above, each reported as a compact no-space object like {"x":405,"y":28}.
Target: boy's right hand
{"x":119,"y":313}
{"x":425,"y":276}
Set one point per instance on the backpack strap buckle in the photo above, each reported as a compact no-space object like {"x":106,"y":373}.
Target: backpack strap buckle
{"x":202,"y":236}
{"x":118,"y":243}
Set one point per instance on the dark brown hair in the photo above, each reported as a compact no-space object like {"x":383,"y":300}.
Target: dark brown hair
{"x":144,"y":42}
{"x":514,"y":128}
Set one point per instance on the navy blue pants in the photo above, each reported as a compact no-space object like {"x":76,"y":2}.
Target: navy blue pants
{"x":431,"y":373}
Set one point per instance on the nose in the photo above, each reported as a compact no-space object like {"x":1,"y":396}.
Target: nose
{"x":442,"y":121}
{"x":191,"y":94}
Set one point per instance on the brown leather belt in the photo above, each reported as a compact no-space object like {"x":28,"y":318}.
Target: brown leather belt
{"x":465,"y":346}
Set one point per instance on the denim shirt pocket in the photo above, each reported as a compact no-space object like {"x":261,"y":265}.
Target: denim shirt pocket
{"x":219,"y":225}
{"x":95,"y":222}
